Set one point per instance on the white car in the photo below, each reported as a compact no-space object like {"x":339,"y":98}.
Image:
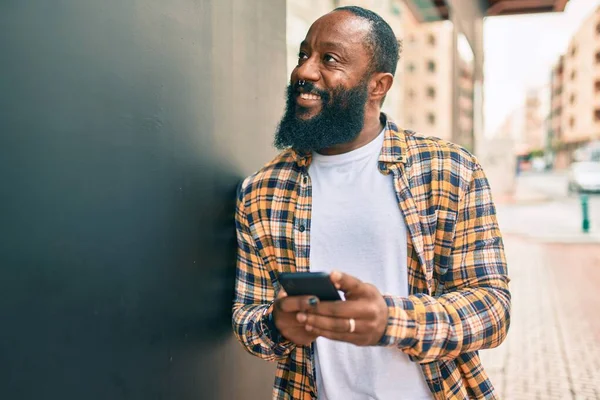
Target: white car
{"x":584,"y":177}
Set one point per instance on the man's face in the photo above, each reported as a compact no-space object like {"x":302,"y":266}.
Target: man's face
{"x":328,"y":91}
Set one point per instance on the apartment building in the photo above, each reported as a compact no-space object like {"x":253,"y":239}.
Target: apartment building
{"x":428,"y":80}
{"x":575,"y":117}
{"x":556,"y":106}
{"x":537,"y":108}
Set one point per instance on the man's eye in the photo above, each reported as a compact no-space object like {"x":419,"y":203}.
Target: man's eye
{"x":302,"y":56}
{"x":329,"y":59}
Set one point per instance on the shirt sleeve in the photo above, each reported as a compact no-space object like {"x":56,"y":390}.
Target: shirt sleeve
{"x":254,"y":295}
{"x":473,"y":311}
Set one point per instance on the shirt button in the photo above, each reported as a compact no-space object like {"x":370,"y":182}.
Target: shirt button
{"x":305,"y":179}
{"x":301,"y":228}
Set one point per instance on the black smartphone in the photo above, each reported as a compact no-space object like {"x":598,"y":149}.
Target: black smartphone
{"x":309,"y":284}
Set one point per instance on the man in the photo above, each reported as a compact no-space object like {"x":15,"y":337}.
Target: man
{"x":404,"y":224}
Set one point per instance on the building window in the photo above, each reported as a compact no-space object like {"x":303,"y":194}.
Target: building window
{"x":572,"y":99}
{"x":597,"y":86}
{"x":431,"y":39}
{"x":598,"y":57}
{"x":572,"y":122}
{"x":411,"y":67}
{"x":574,"y":74}
{"x":431,"y":118}
{"x":598,"y":29}
{"x":573,"y":50}
{"x":597,"y":115}
{"x":411,"y":94}
{"x":431,"y":66}
{"x":431,"y":92}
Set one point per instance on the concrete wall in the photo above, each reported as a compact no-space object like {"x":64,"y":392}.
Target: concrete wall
{"x":580,"y":99}
{"x":124,"y":129}
{"x":467,"y":17}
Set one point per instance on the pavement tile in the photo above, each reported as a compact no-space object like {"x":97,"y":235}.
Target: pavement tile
{"x":553,"y":347}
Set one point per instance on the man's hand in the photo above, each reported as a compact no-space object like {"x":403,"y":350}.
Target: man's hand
{"x":285,"y":311}
{"x":364,"y":311}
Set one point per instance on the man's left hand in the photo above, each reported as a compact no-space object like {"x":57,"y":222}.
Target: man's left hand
{"x":361,"y":319}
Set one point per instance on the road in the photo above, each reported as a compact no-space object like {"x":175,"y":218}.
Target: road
{"x":543,"y":209}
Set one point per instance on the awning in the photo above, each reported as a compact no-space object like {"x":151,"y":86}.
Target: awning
{"x":513,"y":7}
{"x":437,"y":10}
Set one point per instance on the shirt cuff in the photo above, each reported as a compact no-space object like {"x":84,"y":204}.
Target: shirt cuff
{"x":280,"y":347}
{"x":401,"y":330}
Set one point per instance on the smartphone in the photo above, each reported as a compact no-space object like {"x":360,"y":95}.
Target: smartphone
{"x":309,"y":284}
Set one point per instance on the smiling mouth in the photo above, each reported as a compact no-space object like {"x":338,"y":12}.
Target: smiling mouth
{"x":309,"y":96}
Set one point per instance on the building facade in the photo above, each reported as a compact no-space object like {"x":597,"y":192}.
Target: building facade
{"x":537,"y":106}
{"x":556,"y":106}
{"x":428,"y":77}
{"x":575,"y":116}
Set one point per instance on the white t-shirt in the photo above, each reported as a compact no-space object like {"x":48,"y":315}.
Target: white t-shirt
{"x":358,"y":228}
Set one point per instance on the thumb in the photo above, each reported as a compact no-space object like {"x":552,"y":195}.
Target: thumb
{"x":344,"y":282}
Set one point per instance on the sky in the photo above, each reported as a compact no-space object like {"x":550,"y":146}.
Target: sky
{"x":519,"y":52}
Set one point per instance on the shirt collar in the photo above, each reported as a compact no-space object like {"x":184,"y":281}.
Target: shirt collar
{"x":394,"y":143}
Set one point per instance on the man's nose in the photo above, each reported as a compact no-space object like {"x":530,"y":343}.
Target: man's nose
{"x":308,"y":70}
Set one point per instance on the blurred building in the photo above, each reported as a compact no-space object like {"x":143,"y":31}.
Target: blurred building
{"x":527,"y":124}
{"x":513,"y":128}
{"x":438,"y":88}
{"x":428,"y":77}
{"x":556,"y":111}
{"x":537,"y":108}
{"x":576,"y":96}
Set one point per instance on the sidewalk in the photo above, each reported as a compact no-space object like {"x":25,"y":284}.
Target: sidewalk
{"x":553,"y":347}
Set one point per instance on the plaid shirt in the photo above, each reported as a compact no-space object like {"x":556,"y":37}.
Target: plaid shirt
{"x":458,"y":302}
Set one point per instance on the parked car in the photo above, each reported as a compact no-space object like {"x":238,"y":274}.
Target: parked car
{"x":584,"y":176}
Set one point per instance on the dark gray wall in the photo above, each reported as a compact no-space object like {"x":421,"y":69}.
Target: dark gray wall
{"x":124,"y":127}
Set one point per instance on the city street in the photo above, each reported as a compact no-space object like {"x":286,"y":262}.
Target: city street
{"x":553,"y":347}
{"x":542,"y":209}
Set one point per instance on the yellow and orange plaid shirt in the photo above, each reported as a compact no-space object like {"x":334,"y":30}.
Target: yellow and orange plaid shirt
{"x":459,"y":299}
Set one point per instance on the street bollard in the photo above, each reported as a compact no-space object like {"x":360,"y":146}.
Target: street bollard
{"x":585,"y":224}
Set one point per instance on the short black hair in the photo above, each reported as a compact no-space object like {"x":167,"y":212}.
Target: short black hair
{"x":381,"y":40}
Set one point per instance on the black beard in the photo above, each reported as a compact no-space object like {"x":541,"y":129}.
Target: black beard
{"x":340,"y":120}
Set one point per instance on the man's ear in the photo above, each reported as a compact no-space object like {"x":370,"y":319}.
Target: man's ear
{"x":381,"y":82}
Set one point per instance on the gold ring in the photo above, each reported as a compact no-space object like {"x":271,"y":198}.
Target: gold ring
{"x":352,"y":325}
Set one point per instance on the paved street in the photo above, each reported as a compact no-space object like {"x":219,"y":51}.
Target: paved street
{"x":553,"y":347}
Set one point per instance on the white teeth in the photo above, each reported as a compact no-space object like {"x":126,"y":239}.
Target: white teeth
{"x":309,"y":96}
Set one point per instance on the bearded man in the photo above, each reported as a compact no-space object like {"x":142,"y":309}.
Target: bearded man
{"x":404,"y":224}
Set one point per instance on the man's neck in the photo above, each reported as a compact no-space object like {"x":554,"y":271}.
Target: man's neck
{"x":371,"y":129}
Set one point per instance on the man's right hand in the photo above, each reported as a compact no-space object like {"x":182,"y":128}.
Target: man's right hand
{"x":285,"y":311}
